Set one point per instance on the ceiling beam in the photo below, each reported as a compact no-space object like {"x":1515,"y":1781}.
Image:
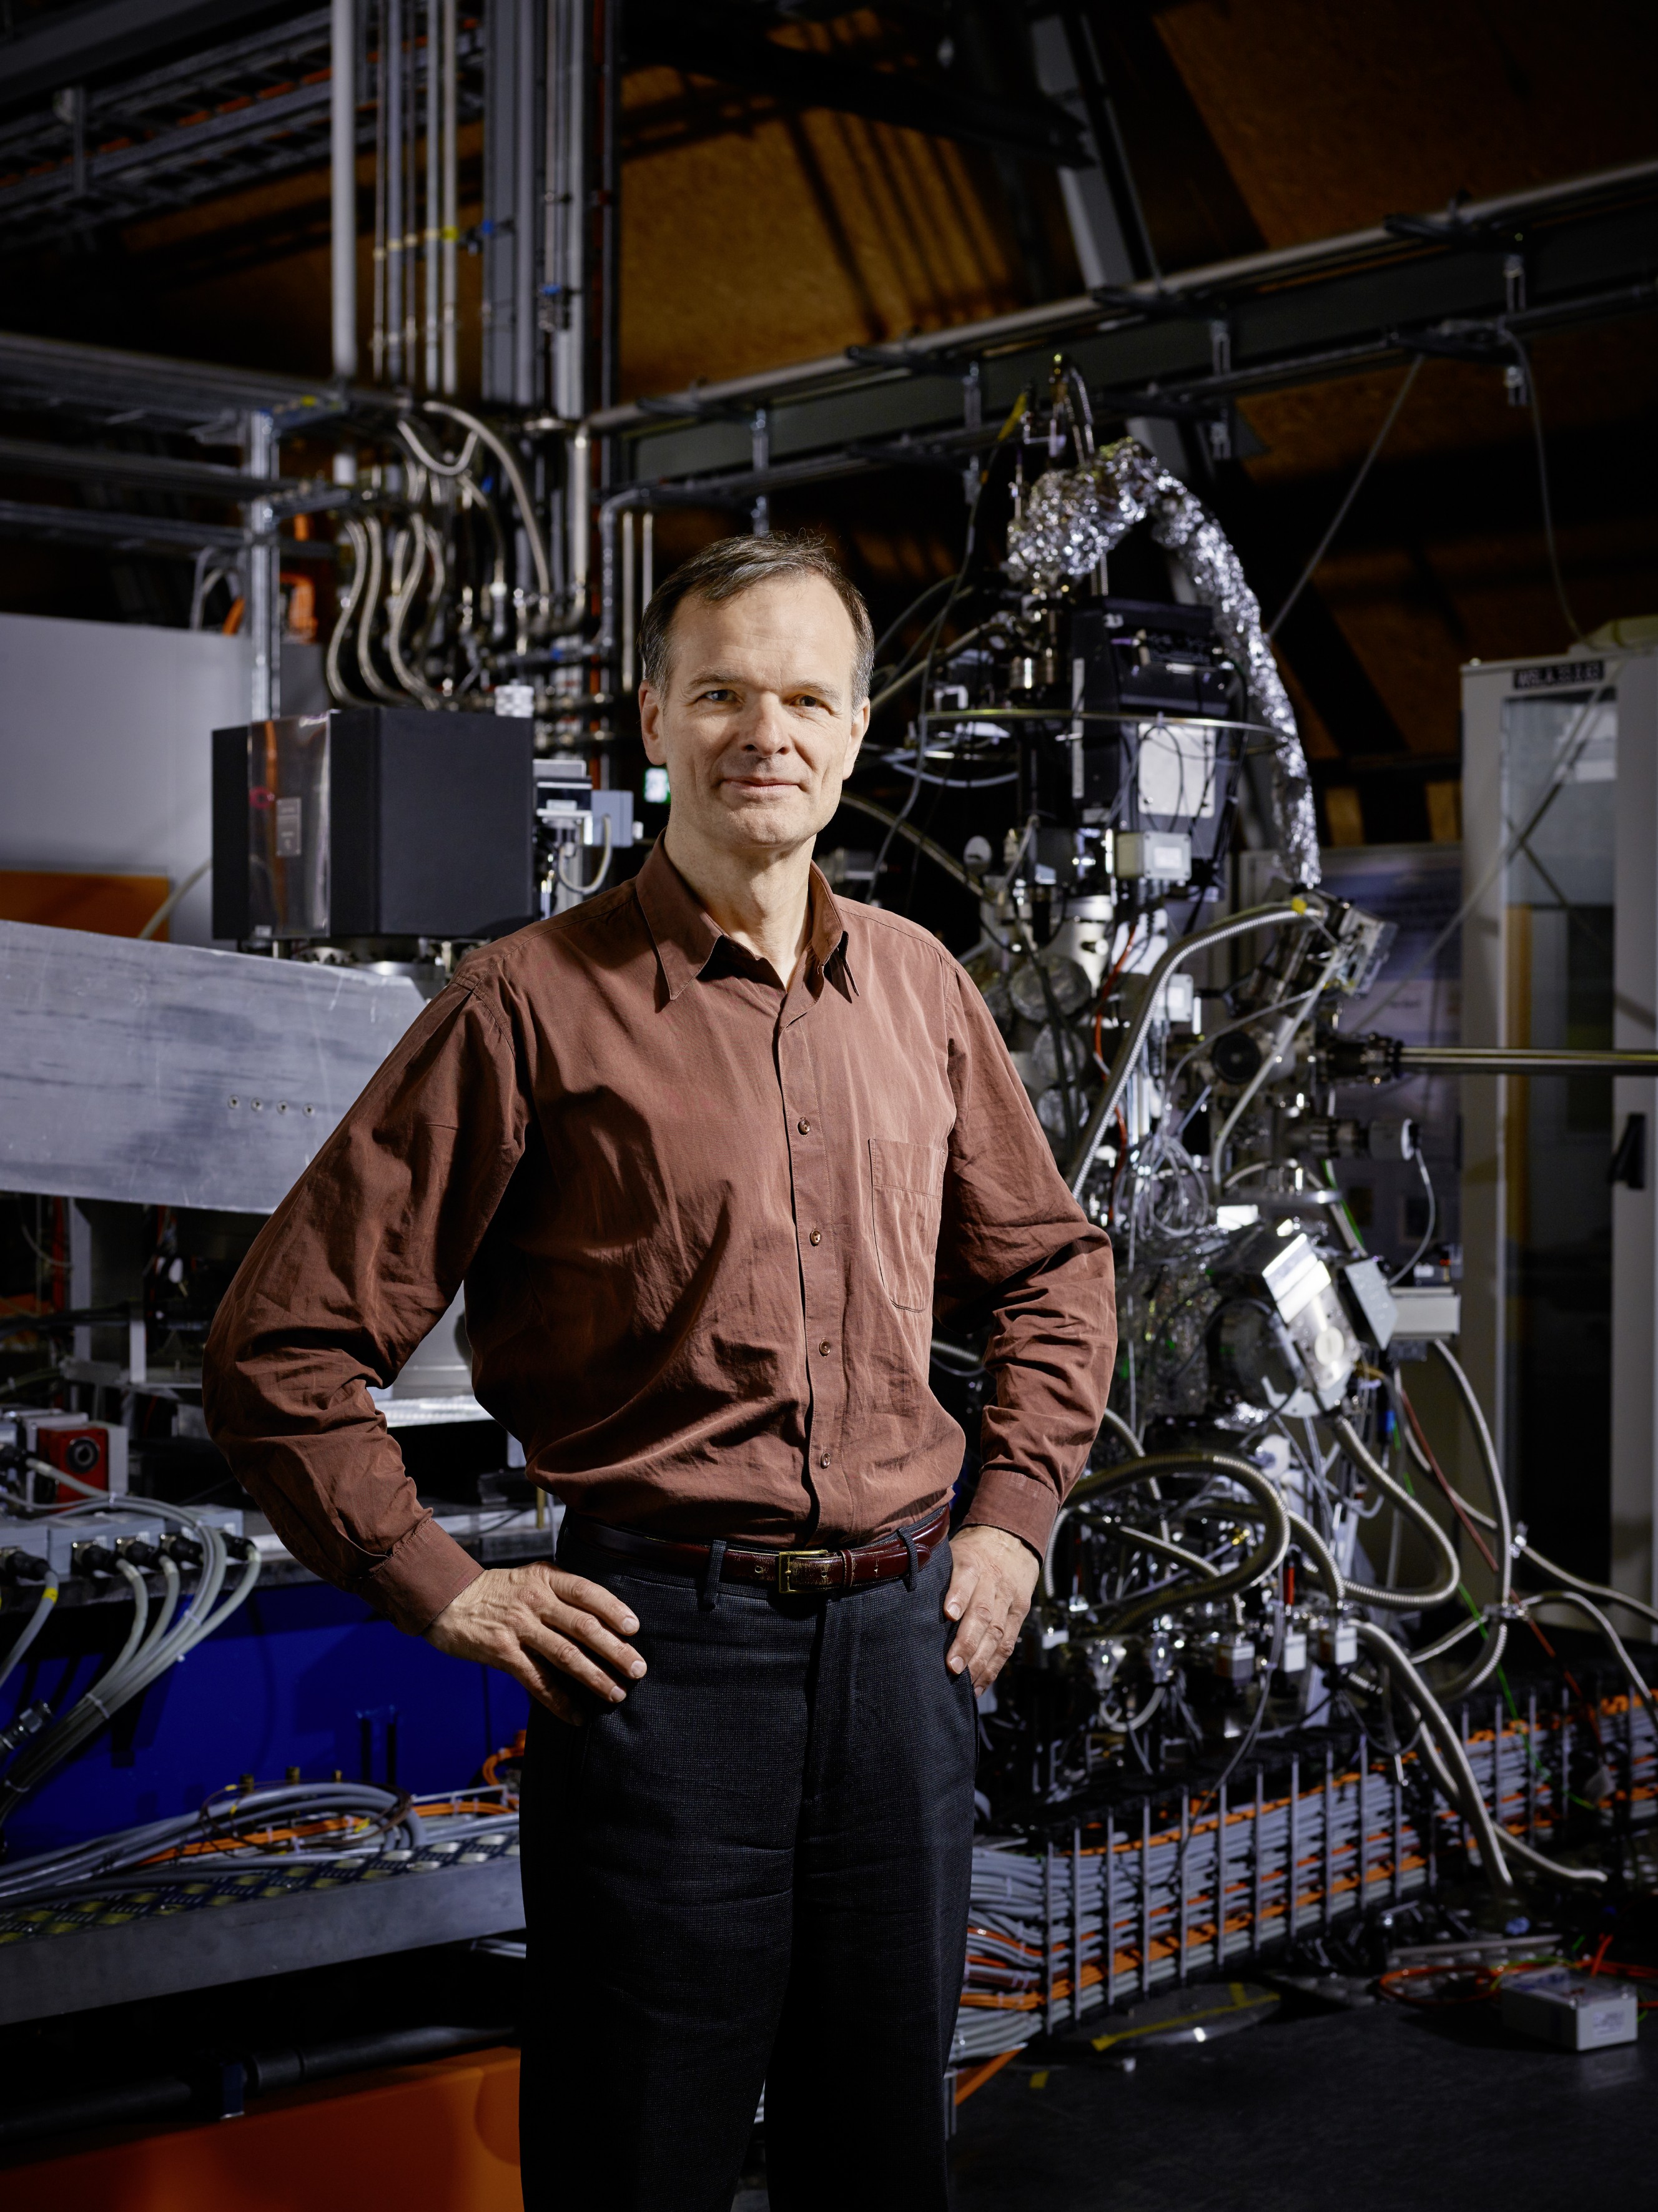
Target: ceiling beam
{"x":705,"y":43}
{"x":81,"y":43}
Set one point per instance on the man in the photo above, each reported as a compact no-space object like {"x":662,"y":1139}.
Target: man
{"x":709,"y":1153}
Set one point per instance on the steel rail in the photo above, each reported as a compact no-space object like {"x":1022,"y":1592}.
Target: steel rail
{"x":1125,"y":303}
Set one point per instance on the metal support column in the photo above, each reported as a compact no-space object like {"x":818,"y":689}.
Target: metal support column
{"x":263,"y":572}
{"x":342,"y":184}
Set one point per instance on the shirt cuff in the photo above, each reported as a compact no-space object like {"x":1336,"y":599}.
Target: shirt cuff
{"x":1009,"y":1500}
{"x":418,"y":1576}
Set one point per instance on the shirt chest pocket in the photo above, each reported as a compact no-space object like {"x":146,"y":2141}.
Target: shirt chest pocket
{"x":907,"y":1189}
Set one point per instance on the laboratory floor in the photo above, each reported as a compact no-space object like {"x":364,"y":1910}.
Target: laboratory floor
{"x":1327,"y":2112}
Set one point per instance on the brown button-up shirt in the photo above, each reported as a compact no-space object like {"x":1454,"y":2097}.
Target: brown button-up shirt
{"x":704,"y":1225}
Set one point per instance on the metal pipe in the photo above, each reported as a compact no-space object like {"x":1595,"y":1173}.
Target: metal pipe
{"x":1503,"y":1060}
{"x":1083,"y":308}
{"x":524,"y":319}
{"x":411,"y":194}
{"x":378,"y":352}
{"x":264,"y":567}
{"x":568,"y":30}
{"x":342,"y":145}
{"x":628,"y":601}
{"x":391,"y":93}
{"x":1306,"y":910}
{"x":434,"y":188}
{"x":450,"y":370}
{"x":579,"y":499}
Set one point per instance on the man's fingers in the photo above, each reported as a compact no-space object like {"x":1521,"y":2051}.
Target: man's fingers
{"x":975,"y":1625}
{"x":542,"y":1686}
{"x":570,"y":1621}
{"x":985,"y":1635}
{"x":569,"y":1659}
{"x":575,"y":1591}
{"x":964,"y":1580}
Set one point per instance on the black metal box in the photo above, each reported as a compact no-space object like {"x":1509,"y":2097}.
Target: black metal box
{"x":373,"y":822}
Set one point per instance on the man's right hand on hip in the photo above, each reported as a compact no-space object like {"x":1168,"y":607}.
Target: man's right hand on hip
{"x":545,"y":1629}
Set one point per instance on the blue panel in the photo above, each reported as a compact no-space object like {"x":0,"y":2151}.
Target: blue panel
{"x":284,"y":1683}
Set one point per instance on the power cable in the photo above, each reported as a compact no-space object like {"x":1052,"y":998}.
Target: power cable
{"x":1353,"y":491}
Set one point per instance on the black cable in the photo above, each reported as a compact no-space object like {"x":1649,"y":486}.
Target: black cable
{"x":957,"y":581}
{"x":939,"y":584}
{"x":1405,"y":1271}
{"x":1353,"y":490}
{"x":1062,"y":1043}
{"x":1523,"y":356}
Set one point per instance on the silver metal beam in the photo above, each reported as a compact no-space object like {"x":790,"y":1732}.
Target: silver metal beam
{"x":1081,"y":311}
{"x":245,"y":1940}
{"x":171,"y":1075}
{"x":1528,"y":1060}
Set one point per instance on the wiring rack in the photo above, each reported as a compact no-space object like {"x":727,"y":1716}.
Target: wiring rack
{"x":1193,"y":1885}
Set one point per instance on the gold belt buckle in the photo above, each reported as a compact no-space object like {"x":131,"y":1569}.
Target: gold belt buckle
{"x":785,"y":1561}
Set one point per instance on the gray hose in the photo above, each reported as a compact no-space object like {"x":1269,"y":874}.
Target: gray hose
{"x":358,"y":537}
{"x":1304,"y":910}
{"x":1464,"y":1791}
{"x":1463,"y":1685}
{"x":369,"y":601}
{"x":1493,"y":1471}
{"x":398,"y":613}
{"x":1526,"y":1551}
{"x":164,"y":912}
{"x":1260,"y":1561}
{"x":1164,"y":1546}
{"x":922,"y":843}
{"x":514,"y":476}
{"x":1323,"y":1559}
{"x":1637,"y":1680}
{"x":1120,"y":1429}
{"x":1399,"y":1600}
{"x":45,"y":1600}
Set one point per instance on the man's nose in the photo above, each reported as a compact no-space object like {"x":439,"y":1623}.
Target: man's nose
{"x":765,"y":726}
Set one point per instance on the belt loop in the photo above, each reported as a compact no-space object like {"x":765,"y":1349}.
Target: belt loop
{"x":909,"y":1543}
{"x":709,"y":1596}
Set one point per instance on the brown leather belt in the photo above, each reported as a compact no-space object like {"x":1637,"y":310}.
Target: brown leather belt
{"x":796,"y":1572}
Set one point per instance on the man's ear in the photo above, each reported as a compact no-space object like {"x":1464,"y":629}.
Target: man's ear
{"x":650,"y":719}
{"x":854,"y":740}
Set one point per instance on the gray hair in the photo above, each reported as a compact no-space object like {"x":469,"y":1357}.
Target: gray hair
{"x":733,"y":565}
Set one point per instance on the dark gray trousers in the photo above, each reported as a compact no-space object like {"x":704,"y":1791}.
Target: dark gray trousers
{"x":753,"y":1872}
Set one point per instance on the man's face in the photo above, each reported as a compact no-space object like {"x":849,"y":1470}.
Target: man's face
{"x":756,"y":725}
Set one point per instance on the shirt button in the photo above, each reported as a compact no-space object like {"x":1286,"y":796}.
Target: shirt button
{"x":805,"y":1128}
{"x":823,"y":1459}
{"x":816,"y":1237}
{"x":824,"y":1347}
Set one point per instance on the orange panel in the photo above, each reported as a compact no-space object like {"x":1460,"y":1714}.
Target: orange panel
{"x":112,"y":906}
{"x":442,"y":2137}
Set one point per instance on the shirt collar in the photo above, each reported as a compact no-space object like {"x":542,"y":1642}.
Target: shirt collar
{"x":685,"y":935}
